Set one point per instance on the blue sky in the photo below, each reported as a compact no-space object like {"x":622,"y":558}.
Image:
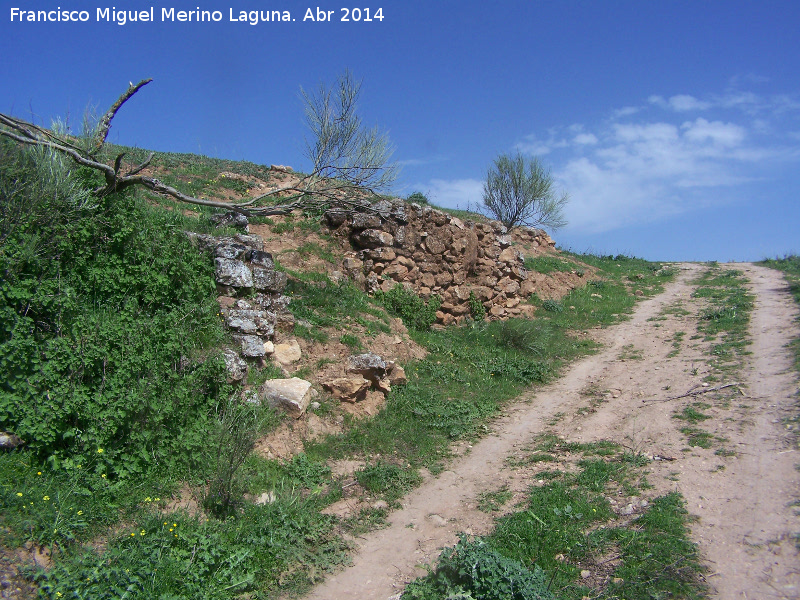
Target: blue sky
{"x":674,"y":126}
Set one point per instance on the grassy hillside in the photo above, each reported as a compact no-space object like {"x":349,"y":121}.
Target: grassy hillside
{"x":110,"y":341}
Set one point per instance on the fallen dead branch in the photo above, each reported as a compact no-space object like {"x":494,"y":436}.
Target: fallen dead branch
{"x":693,"y":392}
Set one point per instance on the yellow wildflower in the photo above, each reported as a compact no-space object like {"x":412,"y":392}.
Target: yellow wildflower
{"x":99,"y":450}
{"x":19,"y":494}
{"x":46,"y":498}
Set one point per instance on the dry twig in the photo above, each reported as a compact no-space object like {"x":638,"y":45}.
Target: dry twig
{"x":693,"y":392}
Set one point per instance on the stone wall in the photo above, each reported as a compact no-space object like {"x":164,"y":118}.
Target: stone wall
{"x":433,"y":252}
{"x":243,"y":268}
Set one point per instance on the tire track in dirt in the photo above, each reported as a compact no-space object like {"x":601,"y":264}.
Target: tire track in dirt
{"x":748,"y":528}
{"x":741,"y":507}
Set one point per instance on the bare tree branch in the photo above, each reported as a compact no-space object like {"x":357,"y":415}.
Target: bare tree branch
{"x":105,"y":122}
{"x":349,"y":161}
{"x":693,"y":392}
{"x":142,"y":166}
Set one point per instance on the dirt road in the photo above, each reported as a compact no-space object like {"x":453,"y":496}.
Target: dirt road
{"x":740,"y":489}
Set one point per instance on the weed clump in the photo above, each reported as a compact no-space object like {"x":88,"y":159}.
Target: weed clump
{"x":553,"y":306}
{"x":413,"y":310}
{"x":472,"y":569}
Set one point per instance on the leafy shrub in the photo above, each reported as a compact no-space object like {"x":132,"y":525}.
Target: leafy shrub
{"x":305,"y":472}
{"x":476,"y":308}
{"x":519,"y":191}
{"x":553,"y":306}
{"x":237,"y":428}
{"x":105,"y":309}
{"x":472,"y":570}
{"x":415,"y":312}
{"x":519,"y":334}
{"x":419,"y":198}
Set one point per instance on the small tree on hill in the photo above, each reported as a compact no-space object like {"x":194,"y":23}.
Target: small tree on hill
{"x":520,"y":191}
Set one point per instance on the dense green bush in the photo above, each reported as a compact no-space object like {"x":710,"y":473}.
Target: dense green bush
{"x":472,"y":570}
{"x":105,"y":308}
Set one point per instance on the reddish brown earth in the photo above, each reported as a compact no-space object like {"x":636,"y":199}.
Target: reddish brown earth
{"x":745,"y":526}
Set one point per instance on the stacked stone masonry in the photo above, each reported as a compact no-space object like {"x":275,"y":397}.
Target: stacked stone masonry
{"x":432,"y":252}
{"x":243,"y":268}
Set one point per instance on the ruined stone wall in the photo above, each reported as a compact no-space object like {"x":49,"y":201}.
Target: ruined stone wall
{"x":433,"y":252}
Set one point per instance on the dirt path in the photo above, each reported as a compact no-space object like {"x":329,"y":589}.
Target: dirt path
{"x":745,"y":524}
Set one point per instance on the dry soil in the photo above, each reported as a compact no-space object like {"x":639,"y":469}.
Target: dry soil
{"x":741,"y":490}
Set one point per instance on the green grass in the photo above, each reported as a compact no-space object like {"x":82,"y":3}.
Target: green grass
{"x":323,"y":303}
{"x":698,"y":437}
{"x":195,"y":174}
{"x":566,"y":526}
{"x":278,"y":546}
{"x":677,"y":339}
{"x":725,"y":322}
{"x":790,"y":265}
{"x":630,"y":352}
{"x":352,"y":342}
{"x":547,"y":263}
{"x":691,"y":415}
{"x":390,"y":481}
{"x":494,"y":501}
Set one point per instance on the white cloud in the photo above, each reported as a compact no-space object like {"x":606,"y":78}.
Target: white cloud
{"x":718,"y":133}
{"x":626,"y":111}
{"x":684,"y":102}
{"x":585,"y":139}
{"x":416,"y":162}
{"x":531,"y":145}
{"x":680,"y":103}
{"x":624,"y":172}
{"x":455,"y":193}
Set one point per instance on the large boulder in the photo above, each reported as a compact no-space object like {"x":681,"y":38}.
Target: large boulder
{"x":262,"y":259}
{"x":230,"y":250}
{"x":233,"y":273}
{"x":287,"y":353}
{"x":290,"y":395}
{"x":369,"y":365}
{"x":269,"y":280}
{"x":252,"y":346}
{"x":9,"y":441}
{"x":236,"y":366}
{"x":348,"y":389}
